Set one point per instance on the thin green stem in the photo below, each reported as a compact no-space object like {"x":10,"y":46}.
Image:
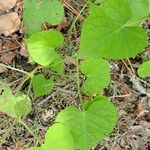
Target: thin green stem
{"x":30,"y":131}
{"x":31,"y":74}
{"x":78,"y":83}
{"x":22,"y":83}
{"x":76,"y":19}
{"x":15,"y":69}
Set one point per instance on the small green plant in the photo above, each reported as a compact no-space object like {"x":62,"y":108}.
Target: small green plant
{"x":111,"y":31}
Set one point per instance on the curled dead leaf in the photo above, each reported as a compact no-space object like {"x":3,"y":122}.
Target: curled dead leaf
{"x":7,"y":5}
{"x":8,"y":57}
{"x":2,"y":69}
{"x":23,"y":50}
{"x":9,"y":23}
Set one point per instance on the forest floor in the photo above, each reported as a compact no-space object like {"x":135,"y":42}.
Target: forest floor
{"x":133,"y":128}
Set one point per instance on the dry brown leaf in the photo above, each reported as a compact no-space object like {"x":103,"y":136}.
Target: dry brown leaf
{"x":142,"y":111}
{"x":8,"y":57}
{"x":6,"y":5}
{"x":2,"y":69}
{"x":20,"y":146}
{"x":1,"y":47}
{"x":23,"y":50}
{"x":9,"y":23}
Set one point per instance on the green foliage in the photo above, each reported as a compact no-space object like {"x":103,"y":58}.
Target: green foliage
{"x":37,"y":12}
{"x":98,"y":75}
{"x":108,"y":32}
{"x":90,"y":126}
{"x":58,"y":137}
{"x":41,"y":85}
{"x":12,"y":105}
{"x":111,"y":31}
{"x":144,"y":69}
{"x":140,"y":10}
{"x":41,"y":47}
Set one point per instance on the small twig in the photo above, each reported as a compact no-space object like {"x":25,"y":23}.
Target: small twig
{"x":120,"y":96}
{"x":127,"y":67}
{"x":74,"y":22}
{"x":78,"y":83}
{"x":133,"y":71}
{"x":139,"y":86}
{"x":46,"y":99}
{"x":15,"y":69}
{"x":67,"y":5}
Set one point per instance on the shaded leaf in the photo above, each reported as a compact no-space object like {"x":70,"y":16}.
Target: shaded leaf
{"x":38,"y":12}
{"x":91,"y":126}
{"x":41,"y":85}
{"x":98,"y":75}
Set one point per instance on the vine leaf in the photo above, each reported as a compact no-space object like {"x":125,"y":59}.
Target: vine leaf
{"x":41,"y":85}
{"x":38,"y":12}
{"x":58,"y":137}
{"x":92,"y":125}
{"x":41,"y":47}
{"x":14,"y":106}
{"x":111,"y":35}
{"x":144,"y":69}
{"x":140,"y":10}
{"x":98,"y":75}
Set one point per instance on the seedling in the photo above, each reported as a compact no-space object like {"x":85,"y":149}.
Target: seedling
{"x":111,"y":31}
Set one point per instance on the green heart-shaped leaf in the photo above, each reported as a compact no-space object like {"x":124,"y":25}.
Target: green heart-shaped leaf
{"x":37,"y":12}
{"x":144,"y":69}
{"x":41,"y":46}
{"x":58,"y":137}
{"x":14,"y":106}
{"x":92,"y":125}
{"x":107,"y":33}
{"x":98,"y":75}
{"x":41,"y":85}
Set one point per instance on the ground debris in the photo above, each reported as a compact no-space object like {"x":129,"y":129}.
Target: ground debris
{"x":6,"y":5}
{"x":9,"y":23}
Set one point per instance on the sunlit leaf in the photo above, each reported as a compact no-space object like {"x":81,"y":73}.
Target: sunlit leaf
{"x":41,"y":46}
{"x":92,"y":125}
{"x":107,"y":33}
{"x":12,"y":105}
